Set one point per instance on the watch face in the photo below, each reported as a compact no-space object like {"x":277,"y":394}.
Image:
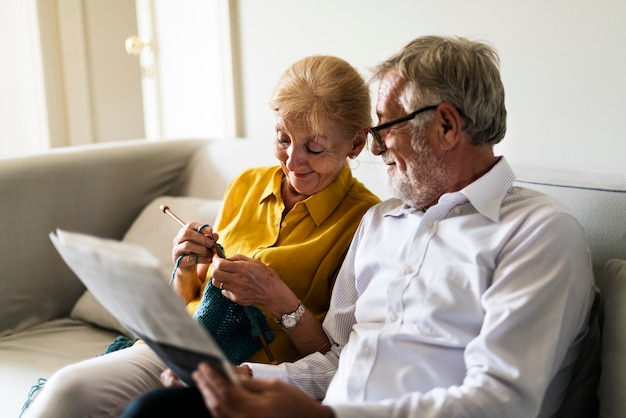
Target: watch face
{"x":289,"y":321}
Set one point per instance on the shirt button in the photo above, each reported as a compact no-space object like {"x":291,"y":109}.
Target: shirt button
{"x":283,"y":225}
{"x":408,"y":270}
{"x":429,"y":224}
{"x":393,"y":317}
{"x":365,"y":351}
{"x":457,"y":211}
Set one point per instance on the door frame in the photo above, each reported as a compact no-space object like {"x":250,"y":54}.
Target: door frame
{"x":64,"y":66}
{"x":77,"y":113}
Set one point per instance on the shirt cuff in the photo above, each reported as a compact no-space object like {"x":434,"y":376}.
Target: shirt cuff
{"x":268,"y":371}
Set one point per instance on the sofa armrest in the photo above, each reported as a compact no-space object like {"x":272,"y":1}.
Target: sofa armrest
{"x":97,"y":189}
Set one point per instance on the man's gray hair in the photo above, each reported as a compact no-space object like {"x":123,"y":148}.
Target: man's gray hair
{"x":459,"y":71}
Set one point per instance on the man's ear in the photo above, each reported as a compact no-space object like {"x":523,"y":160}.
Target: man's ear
{"x":451,"y":125}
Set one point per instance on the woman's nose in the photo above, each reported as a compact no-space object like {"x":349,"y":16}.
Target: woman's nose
{"x":295,"y":157}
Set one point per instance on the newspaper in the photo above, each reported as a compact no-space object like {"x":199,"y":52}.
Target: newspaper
{"x":128,"y":281}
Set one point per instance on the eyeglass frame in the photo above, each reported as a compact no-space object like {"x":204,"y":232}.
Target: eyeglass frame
{"x":375,"y":129}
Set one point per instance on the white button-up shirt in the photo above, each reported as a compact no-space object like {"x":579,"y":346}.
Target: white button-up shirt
{"x":473,"y":308}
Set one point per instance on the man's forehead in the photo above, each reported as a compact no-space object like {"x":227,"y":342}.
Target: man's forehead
{"x":389,"y":90}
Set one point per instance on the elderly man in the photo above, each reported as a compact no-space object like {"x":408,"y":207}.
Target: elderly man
{"x":464,"y":296}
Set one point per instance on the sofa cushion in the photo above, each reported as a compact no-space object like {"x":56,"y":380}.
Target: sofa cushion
{"x":88,"y":309}
{"x":41,"y":350}
{"x":153,"y":230}
{"x":613,"y":356}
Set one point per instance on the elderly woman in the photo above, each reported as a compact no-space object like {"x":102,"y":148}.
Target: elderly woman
{"x":285,"y":230}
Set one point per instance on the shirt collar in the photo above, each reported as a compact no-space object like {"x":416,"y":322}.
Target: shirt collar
{"x":485,"y":194}
{"x":321,"y":204}
{"x":273,"y":187}
{"x":401,"y":209}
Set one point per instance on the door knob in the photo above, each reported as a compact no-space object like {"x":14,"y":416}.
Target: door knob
{"x":134,"y":45}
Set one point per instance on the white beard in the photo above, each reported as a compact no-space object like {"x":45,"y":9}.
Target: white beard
{"x":425,"y":178}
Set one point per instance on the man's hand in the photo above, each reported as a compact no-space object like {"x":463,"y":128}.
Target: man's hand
{"x":255,"y":397}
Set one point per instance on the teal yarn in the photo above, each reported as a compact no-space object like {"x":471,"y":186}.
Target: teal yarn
{"x":120,"y":342}
{"x":235,"y":328}
{"x":31,"y":393}
{"x":176,"y":265}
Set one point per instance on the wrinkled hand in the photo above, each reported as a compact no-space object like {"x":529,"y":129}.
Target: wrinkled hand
{"x":254,"y":397}
{"x":169,"y":379}
{"x":191,"y":243}
{"x":247,"y":281}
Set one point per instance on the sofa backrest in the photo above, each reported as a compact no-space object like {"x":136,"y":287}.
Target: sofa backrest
{"x":98,"y":190}
{"x":597,"y":198}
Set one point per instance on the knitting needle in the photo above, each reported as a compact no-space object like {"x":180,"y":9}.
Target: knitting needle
{"x":267,"y":349}
{"x":166,"y":209}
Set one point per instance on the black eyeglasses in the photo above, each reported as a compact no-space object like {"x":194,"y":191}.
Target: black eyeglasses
{"x":375,"y":131}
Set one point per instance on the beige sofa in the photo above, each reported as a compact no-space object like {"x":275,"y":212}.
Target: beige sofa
{"x":114,"y":190}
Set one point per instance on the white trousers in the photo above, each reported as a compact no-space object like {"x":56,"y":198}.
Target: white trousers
{"x":99,"y":387}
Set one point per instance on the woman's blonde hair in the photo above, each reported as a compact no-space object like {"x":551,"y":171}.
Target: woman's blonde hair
{"x":319,"y":87}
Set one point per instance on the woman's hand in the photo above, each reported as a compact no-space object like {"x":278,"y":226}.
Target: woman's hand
{"x":192,"y":251}
{"x":247,"y":281}
{"x":169,"y":379}
{"x":195,"y":247}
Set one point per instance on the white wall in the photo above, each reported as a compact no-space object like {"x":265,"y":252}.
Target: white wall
{"x":563,"y":63}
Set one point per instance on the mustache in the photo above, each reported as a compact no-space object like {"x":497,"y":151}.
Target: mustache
{"x":387,"y":159}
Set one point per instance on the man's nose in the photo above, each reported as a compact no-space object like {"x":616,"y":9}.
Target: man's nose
{"x":377,"y":148}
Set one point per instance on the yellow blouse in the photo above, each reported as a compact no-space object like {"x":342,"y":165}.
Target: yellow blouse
{"x":305,"y":248}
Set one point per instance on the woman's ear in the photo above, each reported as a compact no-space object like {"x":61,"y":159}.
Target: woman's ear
{"x":358,"y":142}
{"x":451,"y":125}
